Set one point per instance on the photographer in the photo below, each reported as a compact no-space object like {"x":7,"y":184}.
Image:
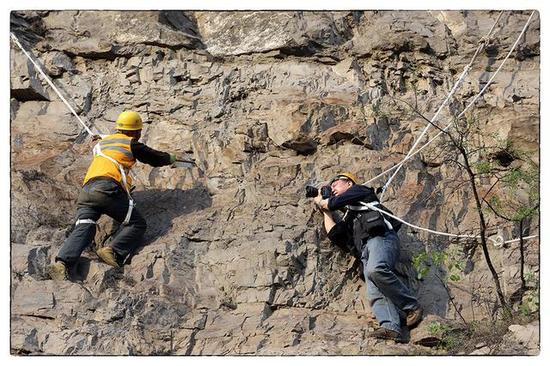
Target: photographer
{"x":373,"y":236}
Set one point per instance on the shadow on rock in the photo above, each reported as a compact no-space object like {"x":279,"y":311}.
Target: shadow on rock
{"x":79,"y":272}
{"x":160,"y":206}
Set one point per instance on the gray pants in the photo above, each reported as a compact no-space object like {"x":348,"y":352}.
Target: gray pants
{"x":96,"y":198}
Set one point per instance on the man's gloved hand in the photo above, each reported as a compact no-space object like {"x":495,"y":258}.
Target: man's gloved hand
{"x":178,"y":161}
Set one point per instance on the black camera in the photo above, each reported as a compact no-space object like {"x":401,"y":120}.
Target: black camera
{"x":311,"y":191}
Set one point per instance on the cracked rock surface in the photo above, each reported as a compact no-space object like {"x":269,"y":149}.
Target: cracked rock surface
{"x":235,"y":260}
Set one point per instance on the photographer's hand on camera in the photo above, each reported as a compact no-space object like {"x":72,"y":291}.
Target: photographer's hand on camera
{"x":320,"y":196}
{"x":321,"y":202}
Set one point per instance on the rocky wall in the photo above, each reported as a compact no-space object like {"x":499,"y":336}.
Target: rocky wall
{"x":235,"y":260}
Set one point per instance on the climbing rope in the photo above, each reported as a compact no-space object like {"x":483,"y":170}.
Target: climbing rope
{"x":497,"y":243}
{"x":409,"y":156}
{"x":50,"y":82}
{"x":482,"y":42}
{"x":97,"y":148}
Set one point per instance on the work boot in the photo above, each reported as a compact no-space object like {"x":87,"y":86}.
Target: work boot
{"x":385,"y":333}
{"x":414,"y":316}
{"x":108,"y":255}
{"x":58,"y":271}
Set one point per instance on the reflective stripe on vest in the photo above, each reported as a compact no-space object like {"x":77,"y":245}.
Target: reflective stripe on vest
{"x":115,"y":147}
{"x":119,"y":149}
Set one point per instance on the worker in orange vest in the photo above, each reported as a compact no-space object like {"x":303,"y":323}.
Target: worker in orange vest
{"x":106,"y":190}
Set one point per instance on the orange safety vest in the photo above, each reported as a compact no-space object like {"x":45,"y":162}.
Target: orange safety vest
{"x":117,"y":147}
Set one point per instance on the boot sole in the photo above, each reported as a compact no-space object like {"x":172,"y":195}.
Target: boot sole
{"x":415,"y":321}
{"x":386,"y":337}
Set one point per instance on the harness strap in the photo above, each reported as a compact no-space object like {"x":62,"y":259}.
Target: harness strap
{"x":388,"y":224}
{"x":131,"y":204}
{"x":363,"y":206}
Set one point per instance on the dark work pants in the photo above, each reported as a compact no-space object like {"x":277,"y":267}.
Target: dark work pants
{"x":103,"y":197}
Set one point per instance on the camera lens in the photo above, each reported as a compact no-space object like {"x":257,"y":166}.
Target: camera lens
{"x":311,"y":191}
{"x":326,"y":192}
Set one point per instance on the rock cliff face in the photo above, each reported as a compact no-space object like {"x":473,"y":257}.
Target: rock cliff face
{"x":235,"y":259}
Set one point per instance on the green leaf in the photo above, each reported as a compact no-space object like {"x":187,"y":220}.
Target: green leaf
{"x":483,"y":167}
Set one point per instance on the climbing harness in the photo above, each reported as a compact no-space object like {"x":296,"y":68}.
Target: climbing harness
{"x":131,"y":204}
{"x":366,"y":207}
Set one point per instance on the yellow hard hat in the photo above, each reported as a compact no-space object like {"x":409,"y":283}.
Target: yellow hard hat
{"x":345,"y":175}
{"x":129,"y":121}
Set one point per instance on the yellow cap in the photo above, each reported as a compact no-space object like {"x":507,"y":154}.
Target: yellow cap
{"x":129,"y":121}
{"x":345,"y":175}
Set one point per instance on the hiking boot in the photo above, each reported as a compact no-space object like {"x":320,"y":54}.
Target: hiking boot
{"x":109,"y":256}
{"x":414,"y":316}
{"x":385,"y":333}
{"x":58,"y":271}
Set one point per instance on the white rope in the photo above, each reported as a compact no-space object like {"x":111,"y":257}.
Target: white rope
{"x":496,"y":243}
{"x":461,"y":114}
{"x":56,"y":90}
{"x":453,"y":90}
{"x":458,"y":83}
{"x":48,"y":80}
{"x":524,"y":238}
